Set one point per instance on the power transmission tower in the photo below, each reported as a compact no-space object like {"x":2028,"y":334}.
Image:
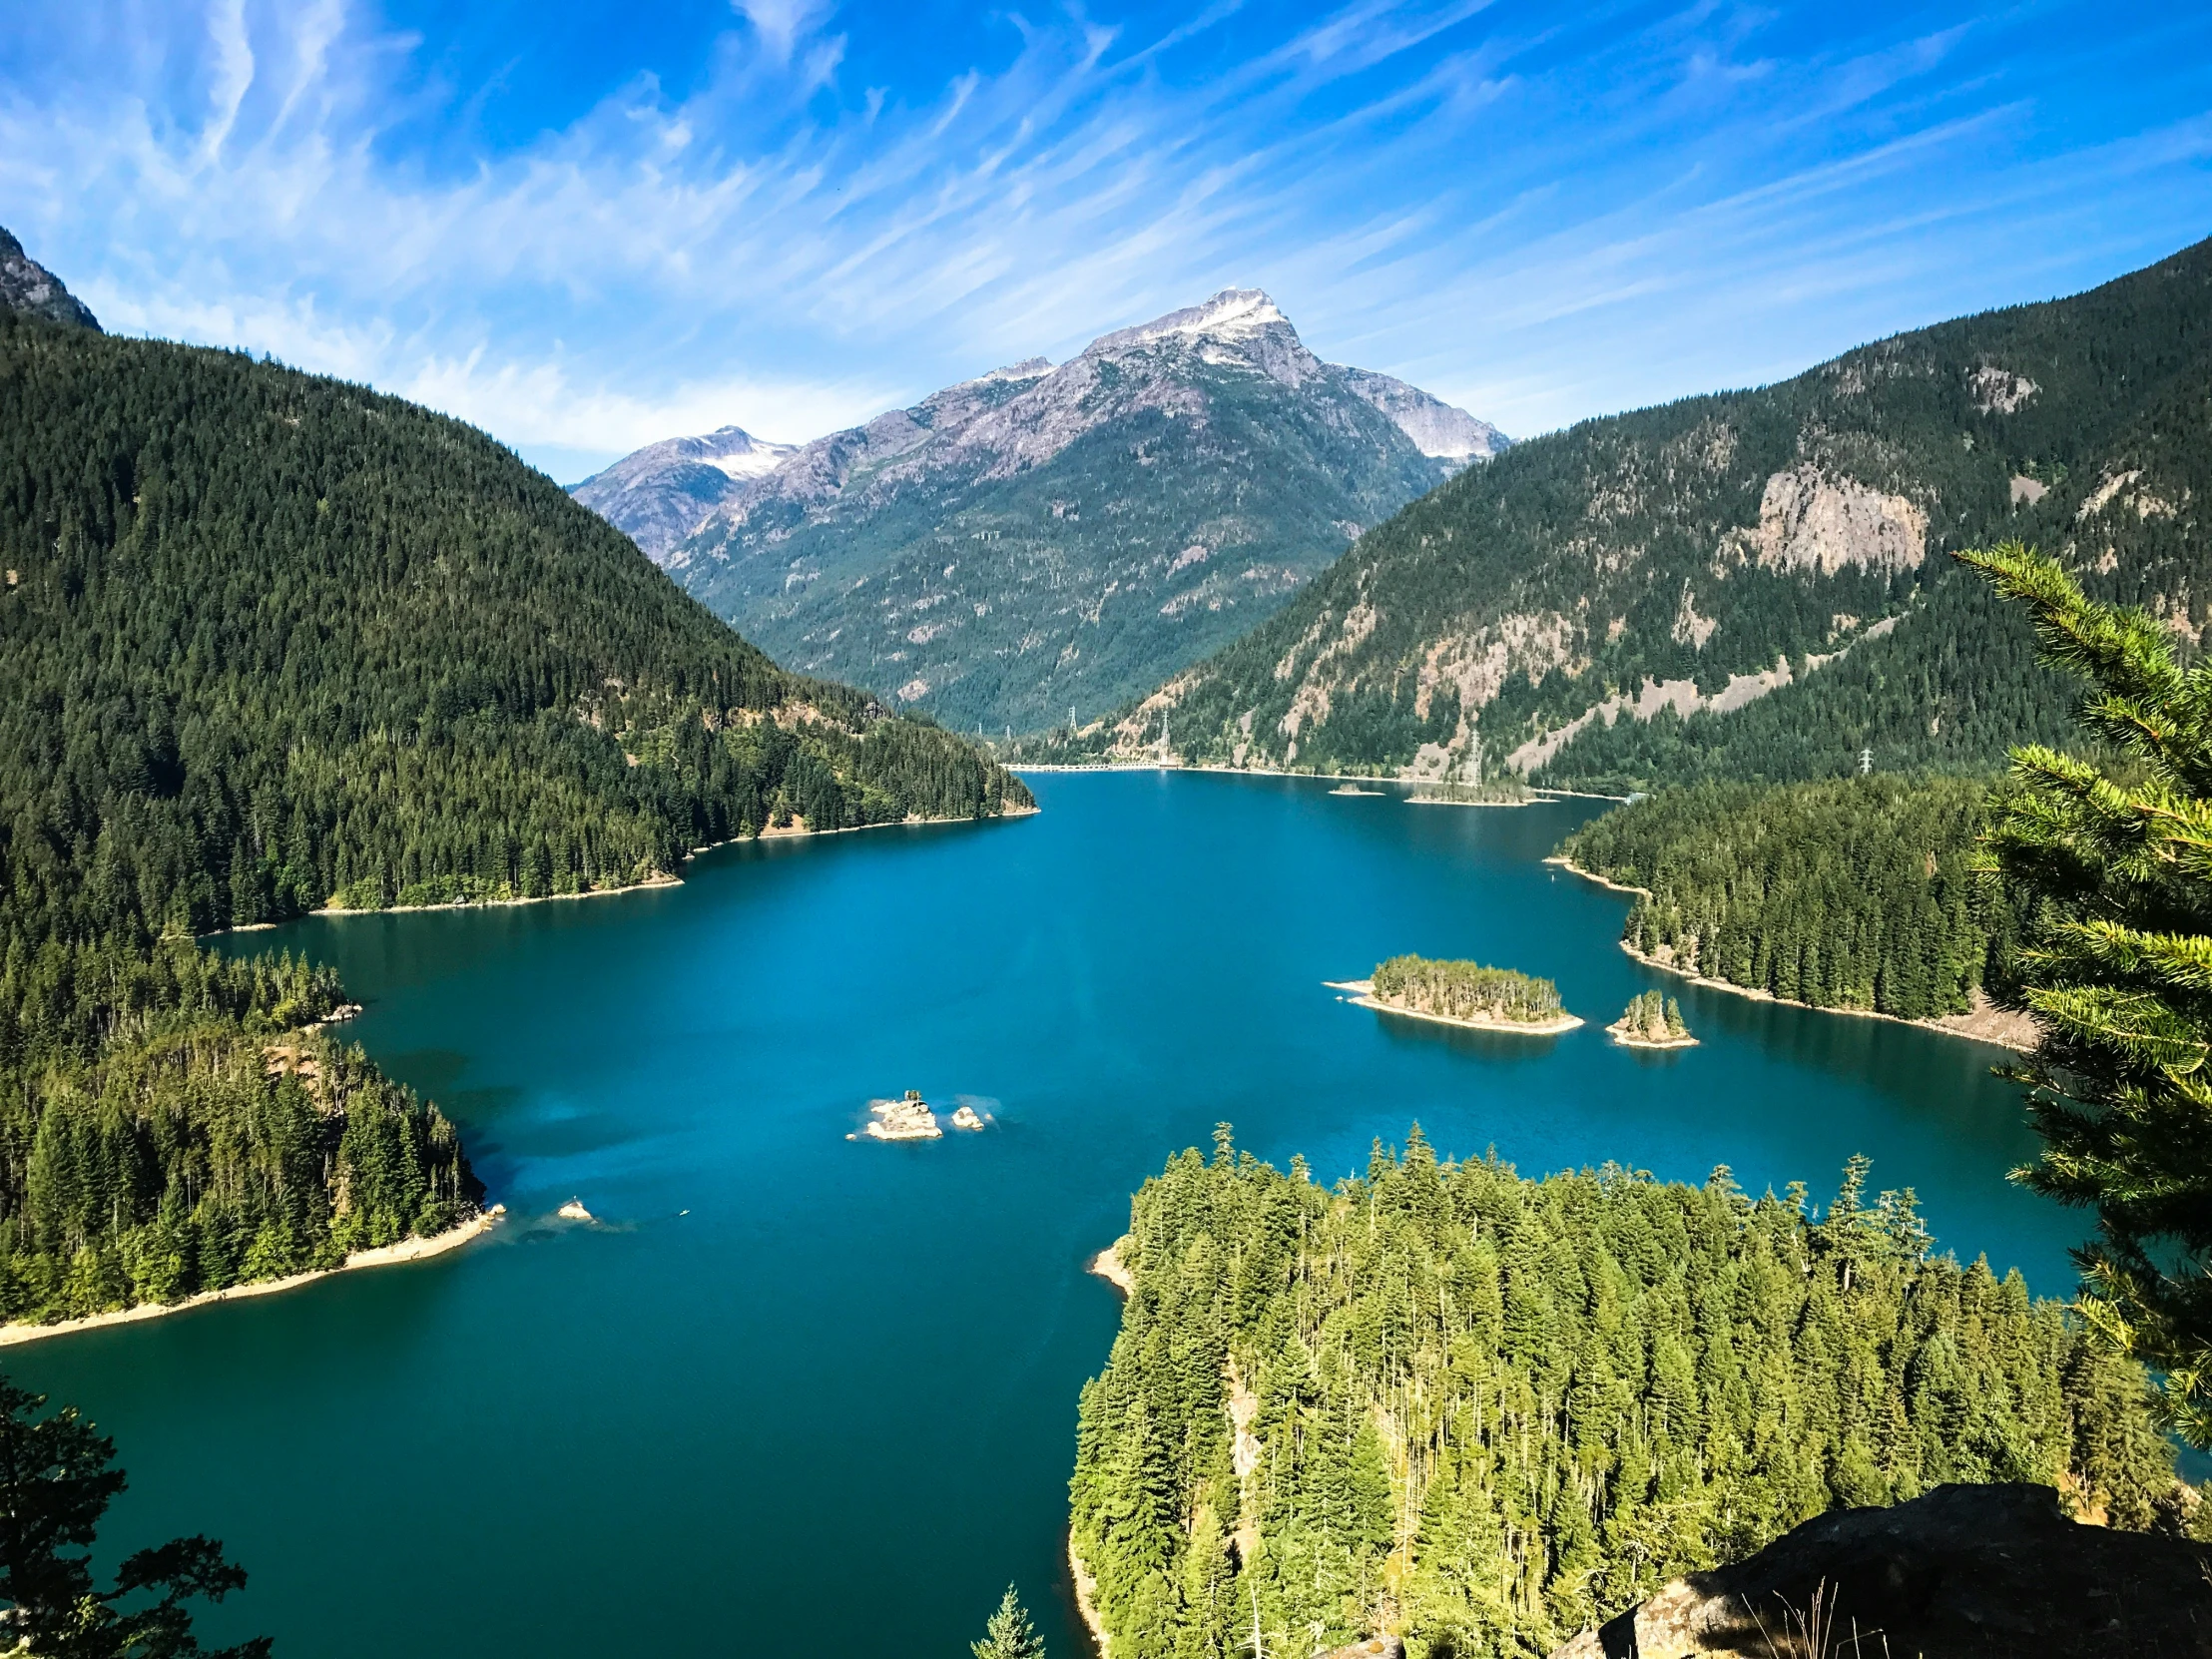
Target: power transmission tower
{"x":1866,"y":761}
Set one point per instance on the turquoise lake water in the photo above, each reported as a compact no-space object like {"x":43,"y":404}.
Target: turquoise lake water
{"x":799,"y":1385}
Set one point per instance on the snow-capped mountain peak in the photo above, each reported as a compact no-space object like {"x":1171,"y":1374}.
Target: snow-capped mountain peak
{"x":665,"y":491}
{"x":1234,"y":314}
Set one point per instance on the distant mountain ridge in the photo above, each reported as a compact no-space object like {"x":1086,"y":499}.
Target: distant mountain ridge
{"x":660,"y":494}
{"x":1041,"y":536}
{"x":29,"y":288}
{"x":1750,"y":584}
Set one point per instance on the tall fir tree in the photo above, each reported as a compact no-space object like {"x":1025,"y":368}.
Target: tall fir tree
{"x":2114,"y":864}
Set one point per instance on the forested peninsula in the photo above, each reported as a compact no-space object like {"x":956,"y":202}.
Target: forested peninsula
{"x":1849,"y":894}
{"x":270,"y":643}
{"x":1486,"y":1412}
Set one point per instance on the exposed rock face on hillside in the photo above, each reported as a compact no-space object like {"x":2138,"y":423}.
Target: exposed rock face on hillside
{"x":1751,"y":584}
{"x":1965,"y":1572}
{"x":663,"y":492}
{"x":27,"y":286}
{"x":1041,"y":537}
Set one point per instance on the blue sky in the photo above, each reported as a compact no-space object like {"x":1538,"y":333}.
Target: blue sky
{"x":586,"y":225}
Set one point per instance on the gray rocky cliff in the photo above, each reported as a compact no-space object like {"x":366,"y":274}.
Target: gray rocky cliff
{"x":28,"y":287}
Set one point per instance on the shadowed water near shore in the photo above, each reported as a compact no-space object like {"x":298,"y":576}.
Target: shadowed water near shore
{"x":837,"y":1397}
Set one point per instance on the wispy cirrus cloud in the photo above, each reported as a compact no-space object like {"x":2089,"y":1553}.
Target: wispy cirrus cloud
{"x":796,"y":220}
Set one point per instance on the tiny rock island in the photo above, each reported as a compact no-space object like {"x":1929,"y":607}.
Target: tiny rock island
{"x":1652,"y":1021}
{"x":908,"y":1119}
{"x":1463,"y":993}
{"x":964,"y":1117}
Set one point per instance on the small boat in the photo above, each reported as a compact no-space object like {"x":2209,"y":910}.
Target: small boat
{"x":1352,"y":789}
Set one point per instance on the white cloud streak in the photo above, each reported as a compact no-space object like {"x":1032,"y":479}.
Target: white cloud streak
{"x":1537,"y":224}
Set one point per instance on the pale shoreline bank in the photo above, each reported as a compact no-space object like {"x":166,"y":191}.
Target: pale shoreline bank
{"x":406,"y":1250}
{"x":658,"y":880}
{"x":1998,"y":1027}
{"x":1364,"y":998}
{"x":1540,"y":793}
{"x":1658,"y":1044}
{"x":1108,"y":1264}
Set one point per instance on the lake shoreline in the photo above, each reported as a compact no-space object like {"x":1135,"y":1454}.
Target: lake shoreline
{"x":1107,"y":1265}
{"x":1540,"y":794}
{"x":1364,"y":998}
{"x":406,"y":1250}
{"x":1998,"y":1027}
{"x":658,"y":880}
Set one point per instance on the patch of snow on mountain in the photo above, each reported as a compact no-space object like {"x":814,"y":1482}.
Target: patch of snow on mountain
{"x":1231,"y":315}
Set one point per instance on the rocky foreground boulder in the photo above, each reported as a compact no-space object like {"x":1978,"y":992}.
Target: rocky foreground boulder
{"x":1965,"y":1572}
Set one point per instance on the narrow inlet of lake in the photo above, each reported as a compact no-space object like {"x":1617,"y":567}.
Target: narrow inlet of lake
{"x":792,"y":1387}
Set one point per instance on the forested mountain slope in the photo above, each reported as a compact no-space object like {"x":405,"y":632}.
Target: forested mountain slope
{"x":1044,"y":537}
{"x":1484,"y":1412}
{"x":270,"y":642}
{"x":1767,"y":563}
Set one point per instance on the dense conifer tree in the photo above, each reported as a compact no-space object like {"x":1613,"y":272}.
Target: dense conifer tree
{"x":2114,"y":871}
{"x":1008,"y":1633}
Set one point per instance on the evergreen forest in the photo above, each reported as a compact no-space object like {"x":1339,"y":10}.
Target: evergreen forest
{"x":1487,"y":1411}
{"x":270,"y":642}
{"x":1851,"y":892}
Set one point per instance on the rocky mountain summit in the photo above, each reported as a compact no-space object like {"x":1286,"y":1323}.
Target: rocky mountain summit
{"x":1045,"y":536}
{"x":27,"y":286}
{"x":660,"y":494}
{"x":1965,"y":1572}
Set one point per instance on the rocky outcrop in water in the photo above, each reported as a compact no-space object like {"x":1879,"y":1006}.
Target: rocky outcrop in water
{"x":1965,"y":1572}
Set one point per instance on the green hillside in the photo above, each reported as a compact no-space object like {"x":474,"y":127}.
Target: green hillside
{"x":1679,"y":562}
{"x":270,"y":642}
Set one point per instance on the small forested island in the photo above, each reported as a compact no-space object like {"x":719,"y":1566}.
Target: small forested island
{"x":1652,"y":1021}
{"x":1507,"y":791}
{"x":1484,"y":1412}
{"x":1848,"y":893}
{"x":1463,"y":993}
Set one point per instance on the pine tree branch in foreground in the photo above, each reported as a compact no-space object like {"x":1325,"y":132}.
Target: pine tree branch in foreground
{"x":57,"y":1479}
{"x":2113,"y":867}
